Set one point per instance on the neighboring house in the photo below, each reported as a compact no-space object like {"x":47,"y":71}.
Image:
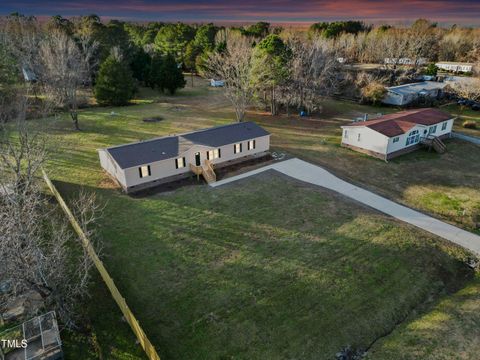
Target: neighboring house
{"x":141,"y":165}
{"x":407,"y":93}
{"x":455,"y":66}
{"x":399,"y":133}
{"x":404,"y":61}
{"x":217,"y":83}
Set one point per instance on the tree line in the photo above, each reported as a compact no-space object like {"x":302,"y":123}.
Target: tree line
{"x":277,"y":67}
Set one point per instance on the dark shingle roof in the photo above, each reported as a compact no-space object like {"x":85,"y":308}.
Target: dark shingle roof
{"x":399,"y":123}
{"x":149,"y":151}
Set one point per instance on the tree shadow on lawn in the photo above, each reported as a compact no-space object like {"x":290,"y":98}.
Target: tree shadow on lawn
{"x":242,"y":272}
{"x":449,"y":330}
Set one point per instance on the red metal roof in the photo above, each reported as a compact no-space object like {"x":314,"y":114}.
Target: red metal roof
{"x":401,"y":122}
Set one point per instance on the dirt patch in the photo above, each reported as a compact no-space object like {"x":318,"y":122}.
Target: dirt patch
{"x":108,"y":183}
{"x":243,"y":167}
{"x":152,"y":119}
{"x":169,"y":187}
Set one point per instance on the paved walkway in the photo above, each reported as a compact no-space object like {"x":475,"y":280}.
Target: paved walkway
{"x":472,"y":139}
{"x":316,"y":175}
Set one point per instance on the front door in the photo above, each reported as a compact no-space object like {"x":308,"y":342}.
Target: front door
{"x":197,"y":159}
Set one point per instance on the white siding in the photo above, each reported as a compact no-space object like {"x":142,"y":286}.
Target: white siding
{"x":455,"y":67}
{"x":369,"y":139}
{"x":166,"y":168}
{"x":402,"y":139}
{"x":401,"y":143}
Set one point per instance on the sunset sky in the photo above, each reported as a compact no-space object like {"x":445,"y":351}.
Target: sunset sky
{"x":465,"y":12}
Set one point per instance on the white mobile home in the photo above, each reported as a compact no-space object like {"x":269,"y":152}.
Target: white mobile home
{"x":404,"y":61}
{"x":145,"y":164}
{"x":399,"y":133}
{"x":407,"y":93}
{"x":455,"y":66}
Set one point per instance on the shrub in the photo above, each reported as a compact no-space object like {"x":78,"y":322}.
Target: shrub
{"x":374,"y":92}
{"x":431,"y":70}
{"x":469,"y":124}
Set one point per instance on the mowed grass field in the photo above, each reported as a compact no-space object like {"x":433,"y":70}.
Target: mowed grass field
{"x":268,"y":267}
{"x":445,"y":186}
{"x":448,"y":331}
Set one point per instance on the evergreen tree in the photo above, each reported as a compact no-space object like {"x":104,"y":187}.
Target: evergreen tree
{"x":270,"y":66}
{"x":115,"y":84}
{"x":140,"y":65}
{"x":172,"y":76}
{"x":155,"y":76}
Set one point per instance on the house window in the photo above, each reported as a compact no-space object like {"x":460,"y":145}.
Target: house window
{"x":345,"y":134}
{"x":432,"y":129}
{"x":213,"y":154}
{"x":358,"y":137}
{"x":444,"y":125}
{"x":180,"y":163}
{"x":396,"y":139}
{"x":251,"y":145}
{"x":144,"y":171}
{"x":413,"y":137}
{"x":237,"y":148}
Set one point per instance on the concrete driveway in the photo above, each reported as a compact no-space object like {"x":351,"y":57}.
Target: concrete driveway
{"x":316,"y":175}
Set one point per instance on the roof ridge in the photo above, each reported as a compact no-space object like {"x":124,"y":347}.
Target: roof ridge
{"x":181,"y":134}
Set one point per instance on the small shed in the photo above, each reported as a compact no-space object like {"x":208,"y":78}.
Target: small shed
{"x":217,"y":83}
{"x":28,"y":74}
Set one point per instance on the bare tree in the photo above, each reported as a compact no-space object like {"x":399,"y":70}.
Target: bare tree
{"x":423,"y":39}
{"x":65,"y":69}
{"x":468,"y":88}
{"x":392,"y":46}
{"x":314,"y":72}
{"x":39,"y":252}
{"x":233,"y":66}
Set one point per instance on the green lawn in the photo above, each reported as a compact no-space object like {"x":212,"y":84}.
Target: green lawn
{"x":449,"y":331}
{"x":464,"y":114}
{"x":446,"y":186}
{"x":265,"y":268}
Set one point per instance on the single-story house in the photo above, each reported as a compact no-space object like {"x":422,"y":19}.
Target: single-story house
{"x":144,"y":164}
{"x":217,"y":83}
{"x":455,"y":66}
{"x":407,"y":93}
{"x":395,"y":134}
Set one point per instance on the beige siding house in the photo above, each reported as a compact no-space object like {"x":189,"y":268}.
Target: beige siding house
{"x":145,"y":164}
{"x":399,"y":133}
